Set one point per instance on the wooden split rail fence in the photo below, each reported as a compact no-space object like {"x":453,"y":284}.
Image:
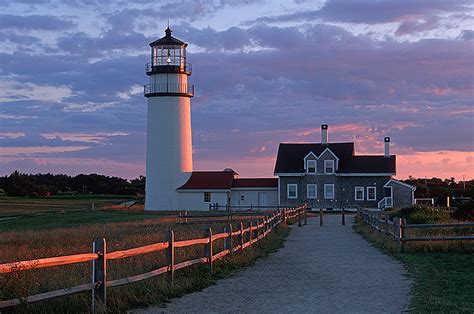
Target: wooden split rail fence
{"x":397,"y":229}
{"x":100,"y":256}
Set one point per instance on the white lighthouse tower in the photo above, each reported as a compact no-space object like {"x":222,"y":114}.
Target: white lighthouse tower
{"x":169,"y":159}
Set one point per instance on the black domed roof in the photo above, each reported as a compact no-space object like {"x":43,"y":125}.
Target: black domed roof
{"x":168,"y":40}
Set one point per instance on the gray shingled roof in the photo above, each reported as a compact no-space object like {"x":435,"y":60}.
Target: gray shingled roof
{"x":290,"y":158}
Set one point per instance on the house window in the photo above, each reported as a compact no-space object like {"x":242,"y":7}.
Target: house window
{"x":311,"y":166}
{"x":371,"y":193}
{"x":329,"y":166}
{"x":207,"y":197}
{"x":359,"y":193}
{"x":329,"y":191}
{"x":242,"y":197}
{"x":311,"y":191}
{"x":292,"y":190}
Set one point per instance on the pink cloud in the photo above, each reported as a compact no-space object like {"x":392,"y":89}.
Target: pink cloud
{"x":18,"y":151}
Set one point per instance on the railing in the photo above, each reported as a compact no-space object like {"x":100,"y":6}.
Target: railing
{"x":385,"y":202}
{"x":99,"y":284}
{"x":172,"y":67}
{"x":397,"y":228}
{"x":168,"y":89}
{"x":240,"y":208}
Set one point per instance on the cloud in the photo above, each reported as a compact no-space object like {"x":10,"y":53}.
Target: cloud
{"x":370,"y":12}
{"x":271,"y":81}
{"x":34,"y":22}
{"x":413,"y":26}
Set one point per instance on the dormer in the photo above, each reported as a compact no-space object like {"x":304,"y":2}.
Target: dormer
{"x":328,"y":162}
{"x":311,"y":163}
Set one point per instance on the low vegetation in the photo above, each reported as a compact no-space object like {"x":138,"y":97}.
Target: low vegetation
{"x":74,"y":232}
{"x":442,"y":281}
{"x":425,"y":214}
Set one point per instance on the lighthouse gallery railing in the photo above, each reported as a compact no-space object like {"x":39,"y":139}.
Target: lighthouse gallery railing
{"x":169,"y":88}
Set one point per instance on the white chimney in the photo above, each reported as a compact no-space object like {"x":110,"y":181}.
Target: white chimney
{"x":324,"y":133}
{"x":387,"y":146}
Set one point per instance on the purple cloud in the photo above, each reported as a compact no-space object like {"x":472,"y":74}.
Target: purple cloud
{"x":34,"y":22}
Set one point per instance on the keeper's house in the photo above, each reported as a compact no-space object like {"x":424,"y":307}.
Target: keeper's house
{"x":330,"y":175}
{"x":323,"y":175}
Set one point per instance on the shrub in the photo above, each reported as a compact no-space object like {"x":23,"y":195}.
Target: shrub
{"x":464,"y":211}
{"x":422,"y":214}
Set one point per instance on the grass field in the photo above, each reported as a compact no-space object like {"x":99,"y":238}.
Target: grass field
{"x":64,"y":232}
{"x":18,"y":214}
{"x":443,"y":281}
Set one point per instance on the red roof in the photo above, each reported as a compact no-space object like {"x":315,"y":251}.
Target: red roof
{"x":209,"y":180}
{"x":224,"y":180}
{"x":255,"y":183}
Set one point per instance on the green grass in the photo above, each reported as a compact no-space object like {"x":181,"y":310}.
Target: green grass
{"x":19,"y":206}
{"x":442,"y":282}
{"x":69,"y":219}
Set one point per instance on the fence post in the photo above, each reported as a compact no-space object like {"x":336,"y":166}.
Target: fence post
{"x":283,"y":215}
{"x":396,"y":227}
{"x":99,"y":275}
{"x":402,"y":234}
{"x":299,"y":217}
{"x":343,"y":217}
{"x":208,"y":250}
{"x":228,"y":239}
{"x":320,"y":216}
{"x":306,"y":215}
{"x":170,"y":256}
{"x":241,"y":226}
{"x":250,"y":233}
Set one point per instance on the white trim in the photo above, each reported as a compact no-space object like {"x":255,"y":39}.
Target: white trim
{"x":364,"y":174}
{"x":333,"y":166}
{"x":309,"y":154}
{"x":202,"y":190}
{"x":290,"y":174}
{"x":279,"y":192}
{"x":339,"y":174}
{"x":375,"y":193}
{"x":386,"y":185}
{"x":306,"y":157}
{"x":333,"y":192}
{"x":254,"y":189}
{"x":315,"y":191}
{"x":315,"y":166}
{"x":332,"y":153}
{"x":358,"y":188}
{"x":288,"y":191}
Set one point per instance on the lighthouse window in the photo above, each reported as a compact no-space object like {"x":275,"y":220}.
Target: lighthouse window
{"x":207,"y":197}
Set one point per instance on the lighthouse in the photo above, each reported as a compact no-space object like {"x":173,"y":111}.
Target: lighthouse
{"x":169,"y":160}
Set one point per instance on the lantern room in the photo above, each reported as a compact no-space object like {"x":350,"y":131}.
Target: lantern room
{"x":168,"y":55}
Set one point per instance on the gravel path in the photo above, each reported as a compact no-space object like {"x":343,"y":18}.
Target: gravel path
{"x":320,"y":269}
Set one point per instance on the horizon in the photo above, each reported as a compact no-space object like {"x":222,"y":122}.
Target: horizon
{"x":264,"y":74}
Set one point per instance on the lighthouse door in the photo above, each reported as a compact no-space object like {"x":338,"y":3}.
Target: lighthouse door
{"x":262,"y":199}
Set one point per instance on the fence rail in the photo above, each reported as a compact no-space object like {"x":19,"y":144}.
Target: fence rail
{"x":397,"y":228}
{"x":100,"y":256}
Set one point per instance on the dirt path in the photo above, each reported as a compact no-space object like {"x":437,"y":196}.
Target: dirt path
{"x":327,"y":269}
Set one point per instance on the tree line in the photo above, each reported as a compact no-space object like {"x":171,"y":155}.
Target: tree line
{"x":22,"y":184}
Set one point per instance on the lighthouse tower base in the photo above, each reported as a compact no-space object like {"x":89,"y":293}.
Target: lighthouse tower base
{"x":169,"y":151}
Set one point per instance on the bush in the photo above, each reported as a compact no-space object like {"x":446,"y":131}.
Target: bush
{"x":464,"y":211}
{"x":422,"y":214}
{"x":429,"y":216}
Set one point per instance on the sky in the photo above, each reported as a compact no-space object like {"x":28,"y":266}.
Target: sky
{"x":265,"y":72}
